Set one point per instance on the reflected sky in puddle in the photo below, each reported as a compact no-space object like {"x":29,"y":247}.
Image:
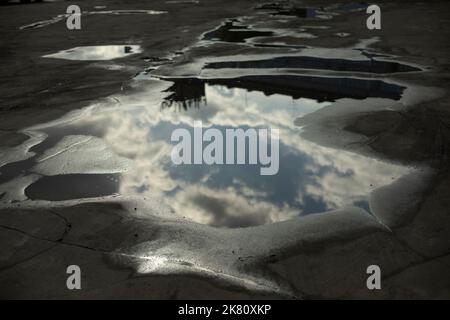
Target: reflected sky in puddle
{"x":96,"y":52}
{"x":311,"y":178}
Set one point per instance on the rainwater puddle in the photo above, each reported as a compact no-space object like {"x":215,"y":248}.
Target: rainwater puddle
{"x":311,"y":178}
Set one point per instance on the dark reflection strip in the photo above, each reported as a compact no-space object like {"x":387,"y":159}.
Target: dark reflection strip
{"x":303,"y":62}
{"x":189,"y":92}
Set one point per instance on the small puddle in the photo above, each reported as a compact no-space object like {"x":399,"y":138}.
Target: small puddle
{"x":297,"y":12}
{"x":234,"y":31}
{"x":349,"y":7}
{"x":73,"y":186}
{"x":284,"y":9}
{"x":278,"y":45}
{"x":94,"y":53}
{"x":183,"y":1}
{"x":305,"y":62}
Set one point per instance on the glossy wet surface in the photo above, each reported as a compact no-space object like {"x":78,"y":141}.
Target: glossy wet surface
{"x":96,"y":52}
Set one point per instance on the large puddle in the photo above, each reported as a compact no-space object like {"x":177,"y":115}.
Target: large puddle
{"x":311,"y":178}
